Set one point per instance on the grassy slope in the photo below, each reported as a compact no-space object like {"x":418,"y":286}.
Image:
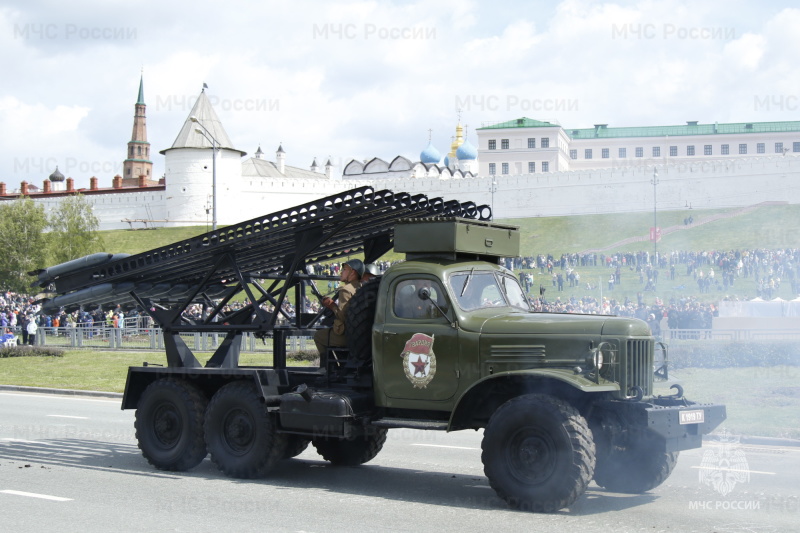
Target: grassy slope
{"x":766,"y":227}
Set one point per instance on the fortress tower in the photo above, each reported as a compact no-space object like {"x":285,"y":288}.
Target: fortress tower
{"x":138,"y":162}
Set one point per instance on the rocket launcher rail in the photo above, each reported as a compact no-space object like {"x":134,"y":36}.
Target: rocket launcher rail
{"x":272,"y":250}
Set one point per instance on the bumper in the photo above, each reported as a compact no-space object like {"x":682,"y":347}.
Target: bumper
{"x":676,"y":424}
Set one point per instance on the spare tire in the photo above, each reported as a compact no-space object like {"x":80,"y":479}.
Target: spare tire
{"x":359,"y":320}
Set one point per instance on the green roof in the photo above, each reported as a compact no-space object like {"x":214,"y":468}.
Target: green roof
{"x":602,"y":131}
{"x":140,"y":100}
{"x":523,"y":122}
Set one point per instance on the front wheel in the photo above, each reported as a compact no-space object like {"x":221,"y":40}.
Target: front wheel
{"x":351,"y":452}
{"x":169,"y":425}
{"x":538,"y":453}
{"x":240,"y":433}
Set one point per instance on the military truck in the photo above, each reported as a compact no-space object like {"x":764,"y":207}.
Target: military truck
{"x":445,"y":340}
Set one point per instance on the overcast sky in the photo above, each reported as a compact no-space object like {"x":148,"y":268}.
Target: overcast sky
{"x":365,"y":79}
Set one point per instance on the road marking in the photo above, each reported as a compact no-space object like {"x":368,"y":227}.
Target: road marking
{"x":732,"y":470}
{"x":443,"y":446}
{"x":67,"y":416}
{"x":34,"y":495}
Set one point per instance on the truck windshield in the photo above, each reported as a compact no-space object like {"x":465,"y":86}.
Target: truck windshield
{"x":516,"y":297}
{"x":484,"y":290}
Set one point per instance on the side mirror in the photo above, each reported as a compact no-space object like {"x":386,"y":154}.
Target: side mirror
{"x":424,"y":293}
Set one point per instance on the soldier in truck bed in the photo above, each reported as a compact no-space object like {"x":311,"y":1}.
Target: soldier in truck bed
{"x":350,"y":277}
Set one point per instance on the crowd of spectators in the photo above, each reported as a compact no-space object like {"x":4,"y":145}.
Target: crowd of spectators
{"x":709,"y":269}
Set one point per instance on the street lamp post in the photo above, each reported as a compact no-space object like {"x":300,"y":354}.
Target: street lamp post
{"x":214,"y":147}
{"x":492,"y":189}
{"x":654,"y":181}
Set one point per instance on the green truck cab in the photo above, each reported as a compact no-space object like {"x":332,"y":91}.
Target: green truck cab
{"x":563,"y":399}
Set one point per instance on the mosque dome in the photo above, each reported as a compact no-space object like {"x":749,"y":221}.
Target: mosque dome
{"x":430,"y":155}
{"x":56,"y":175}
{"x":466,"y":151}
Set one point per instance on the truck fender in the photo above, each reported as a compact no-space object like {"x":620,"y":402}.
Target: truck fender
{"x":480,"y":400}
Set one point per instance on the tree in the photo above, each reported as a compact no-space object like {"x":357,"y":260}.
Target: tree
{"x":74,"y":230}
{"x":22,"y":226}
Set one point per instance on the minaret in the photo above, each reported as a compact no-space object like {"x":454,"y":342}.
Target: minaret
{"x":138,"y":162}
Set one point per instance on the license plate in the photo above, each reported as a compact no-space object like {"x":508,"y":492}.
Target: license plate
{"x":692,"y":417}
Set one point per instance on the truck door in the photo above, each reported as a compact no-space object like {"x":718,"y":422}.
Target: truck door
{"x":420,"y":345}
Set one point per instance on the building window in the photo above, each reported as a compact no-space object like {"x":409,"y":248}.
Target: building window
{"x":129,"y":172}
{"x":690,"y":150}
{"x":504,"y":144}
{"x":492,"y":144}
{"x":707,"y":149}
{"x":795,"y":147}
{"x":742,"y":148}
{"x":778,"y":148}
{"x":492,"y":169}
{"x":725,"y":149}
{"x":639,"y":151}
{"x":604,"y":153}
{"x":545,"y":166}
{"x":673,"y":151}
{"x":531,"y":142}
{"x":656,"y":151}
{"x":623,"y":153}
{"x":545,"y":142}
{"x":587,"y":153}
{"x":531,"y":167}
{"x":760,"y":148}
{"x":573,"y":154}
{"x":505,"y":168}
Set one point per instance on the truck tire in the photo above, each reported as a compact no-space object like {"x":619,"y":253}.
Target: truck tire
{"x":295,"y":445}
{"x":240,"y":433}
{"x":359,"y":320}
{"x":351,"y":452}
{"x":633,"y":469}
{"x":538,"y":453}
{"x":169,"y":425}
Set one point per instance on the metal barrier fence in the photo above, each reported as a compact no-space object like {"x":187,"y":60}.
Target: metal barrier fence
{"x":136,"y":338}
{"x":731,"y":334}
{"x":150,"y":338}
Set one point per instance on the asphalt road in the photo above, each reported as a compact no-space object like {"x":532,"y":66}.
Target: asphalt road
{"x":72,"y":464}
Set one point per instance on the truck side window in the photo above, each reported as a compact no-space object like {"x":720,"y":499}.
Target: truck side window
{"x":408,"y":304}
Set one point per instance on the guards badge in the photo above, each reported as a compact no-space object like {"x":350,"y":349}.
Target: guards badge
{"x":419,"y":362}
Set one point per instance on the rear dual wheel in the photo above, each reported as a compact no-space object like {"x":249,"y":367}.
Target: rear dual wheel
{"x":241,"y":434}
{"x":169,"y":425}
{"x":351,"y":451}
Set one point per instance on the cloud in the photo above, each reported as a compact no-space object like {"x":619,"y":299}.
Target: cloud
{"x":369,"y":78}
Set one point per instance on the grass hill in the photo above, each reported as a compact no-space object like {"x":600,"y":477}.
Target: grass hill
{"x":767,"y":226}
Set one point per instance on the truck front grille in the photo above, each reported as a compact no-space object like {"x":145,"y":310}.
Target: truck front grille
{"x":637,"y":367}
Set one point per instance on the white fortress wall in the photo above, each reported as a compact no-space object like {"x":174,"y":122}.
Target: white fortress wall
{"x":708,"y":184}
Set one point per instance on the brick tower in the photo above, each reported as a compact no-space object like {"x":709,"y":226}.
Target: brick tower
{"x":138,"y":162}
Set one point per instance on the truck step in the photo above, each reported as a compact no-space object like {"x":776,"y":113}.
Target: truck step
{"x":410,"y":423}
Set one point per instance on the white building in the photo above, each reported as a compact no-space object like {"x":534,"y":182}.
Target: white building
{"x":527,"y":146}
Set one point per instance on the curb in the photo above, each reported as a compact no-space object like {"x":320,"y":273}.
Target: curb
{"x":64,"y":392}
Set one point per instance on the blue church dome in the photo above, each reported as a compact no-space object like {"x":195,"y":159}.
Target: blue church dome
{"x":430,"y":155}
{"x":447,"y":161}
{"x":466,"y":152}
